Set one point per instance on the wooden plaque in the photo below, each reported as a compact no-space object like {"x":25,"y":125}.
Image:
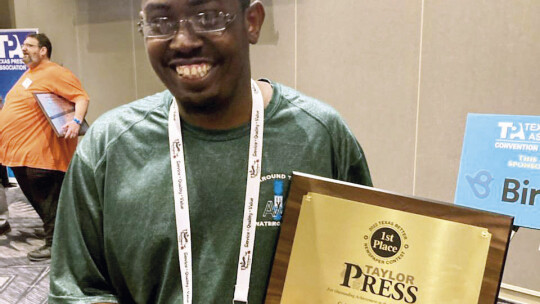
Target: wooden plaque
{"x":494,"y":227}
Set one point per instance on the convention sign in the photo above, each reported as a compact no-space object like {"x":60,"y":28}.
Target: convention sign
{"x":345,"y":243}
{"x":11,"y":63}
{"x":500,"y":166}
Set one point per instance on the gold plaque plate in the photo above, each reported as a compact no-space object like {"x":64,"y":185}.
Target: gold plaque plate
{"x":351,"y":252}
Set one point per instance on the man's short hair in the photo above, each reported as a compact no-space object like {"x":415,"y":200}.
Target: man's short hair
{"x":43,"y":41}
{"x":244,"y":4}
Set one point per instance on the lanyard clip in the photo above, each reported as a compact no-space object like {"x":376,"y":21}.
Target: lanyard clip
{"x":239,"y":296}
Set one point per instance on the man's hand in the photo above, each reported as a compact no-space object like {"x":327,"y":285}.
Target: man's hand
{"x":71,"y":129}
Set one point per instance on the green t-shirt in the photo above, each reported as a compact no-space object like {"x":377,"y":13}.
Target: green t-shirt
{"x":115,"y":235}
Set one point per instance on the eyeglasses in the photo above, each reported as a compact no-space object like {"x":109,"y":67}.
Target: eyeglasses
{"x":202,"y":23}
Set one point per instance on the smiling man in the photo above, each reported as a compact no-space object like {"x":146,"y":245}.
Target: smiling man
{"x":177,"y":197}
{"x":28,"y":143}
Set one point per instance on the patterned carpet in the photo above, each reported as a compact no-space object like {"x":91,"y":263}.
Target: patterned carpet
{"x":22,"y":281}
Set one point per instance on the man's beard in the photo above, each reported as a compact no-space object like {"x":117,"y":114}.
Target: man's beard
{"x":27,"y":59}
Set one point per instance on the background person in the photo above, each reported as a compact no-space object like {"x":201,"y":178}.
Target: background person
{"x":117,"y":238}
{"x":4,"y":211}
{"x":28,"y":143}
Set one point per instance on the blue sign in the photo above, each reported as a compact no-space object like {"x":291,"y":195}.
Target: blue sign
{"x":11,"y":63}
{"x":500,"y":167}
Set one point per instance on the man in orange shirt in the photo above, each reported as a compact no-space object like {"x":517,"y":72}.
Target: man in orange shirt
{"x":28,"y":143}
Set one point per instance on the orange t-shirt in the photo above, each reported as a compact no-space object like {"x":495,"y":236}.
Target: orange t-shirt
{"x":26,"y":137}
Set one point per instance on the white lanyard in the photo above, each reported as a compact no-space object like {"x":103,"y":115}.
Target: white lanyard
{"x":181,"y":204}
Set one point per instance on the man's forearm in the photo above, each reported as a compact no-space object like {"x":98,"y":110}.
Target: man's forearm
{"x":81,"y":106}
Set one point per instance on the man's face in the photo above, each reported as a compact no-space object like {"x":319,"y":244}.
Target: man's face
{"x":32,"y":53}
{"x":202,"y":70}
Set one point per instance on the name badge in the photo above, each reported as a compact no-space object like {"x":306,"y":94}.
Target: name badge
{"x":26,"y":83}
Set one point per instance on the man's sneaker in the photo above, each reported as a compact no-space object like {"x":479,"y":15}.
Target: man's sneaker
{"x":5,"y":228}
{"x":40,"y":254}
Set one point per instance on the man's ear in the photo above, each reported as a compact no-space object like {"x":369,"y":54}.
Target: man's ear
{"x":43,"y":51}
{"x":254,"y":21}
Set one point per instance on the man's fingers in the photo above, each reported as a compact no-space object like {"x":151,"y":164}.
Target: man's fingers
{"x":70,"y":132}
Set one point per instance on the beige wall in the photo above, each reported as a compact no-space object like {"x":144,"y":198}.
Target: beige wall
{"x":404,"y":73}
{"x":6,"y":14}
{"x":99,"y":42}
{"x":478,"y":56}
